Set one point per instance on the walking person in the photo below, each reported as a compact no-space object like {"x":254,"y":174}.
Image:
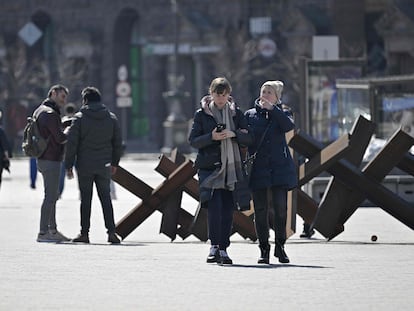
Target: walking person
{"x":219,"y":127}
{"x":94,"y":147}
{"x":50,"y":126}
{"x":273,"y":173}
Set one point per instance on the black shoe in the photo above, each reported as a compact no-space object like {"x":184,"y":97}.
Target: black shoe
{"x":281,"y":254}
{"x":307,"y":231}
{"x":113,"y":239}
{"x":214,"y":255}
{"x":81,"y":238}
{"x":224,"y":258}
{"x":264,"y":254}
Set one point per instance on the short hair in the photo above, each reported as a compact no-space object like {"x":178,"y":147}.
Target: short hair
{"x":220,"y":85}
{"x":91,"y":94}
{"x":57,"y":88}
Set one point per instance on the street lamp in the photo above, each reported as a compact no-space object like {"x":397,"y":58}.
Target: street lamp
{"x":176,"y":125}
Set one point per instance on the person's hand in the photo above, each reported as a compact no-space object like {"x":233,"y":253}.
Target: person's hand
{"x":266,"y":104}
{"x":229,"y":133}
{"x":69,"y":173}
{"x":222,"y":135}
{"x":113,"y":170}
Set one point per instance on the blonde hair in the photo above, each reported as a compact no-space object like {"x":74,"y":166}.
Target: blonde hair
{"x":276,"y":85}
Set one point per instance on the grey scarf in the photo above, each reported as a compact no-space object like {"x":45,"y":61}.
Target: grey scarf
{"x":229,"y":173}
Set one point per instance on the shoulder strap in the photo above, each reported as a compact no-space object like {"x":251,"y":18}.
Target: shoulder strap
{"x":261,"y":140}
{"x":40,"y":109}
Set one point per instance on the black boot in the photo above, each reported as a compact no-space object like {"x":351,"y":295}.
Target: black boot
{"x":264,"y":254}
{"x":281,"y":254}
{"x":307,"y":231}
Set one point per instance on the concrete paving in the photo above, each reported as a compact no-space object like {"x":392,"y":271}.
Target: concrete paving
{"x":149,"y":272}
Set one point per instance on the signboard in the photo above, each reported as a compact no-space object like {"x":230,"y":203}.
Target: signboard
{"x":30,"y":33}
{"x":124,"y":102}
{"x":325,"y":48}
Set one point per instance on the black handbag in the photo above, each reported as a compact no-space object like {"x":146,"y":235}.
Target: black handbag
{"x":248,"y":162}
{"x":242,"y":195}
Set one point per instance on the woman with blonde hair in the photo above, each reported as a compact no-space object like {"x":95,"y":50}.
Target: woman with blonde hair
{"x":273,"y":172}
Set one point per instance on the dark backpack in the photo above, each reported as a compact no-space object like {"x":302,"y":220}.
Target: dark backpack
{"x":34,"y":145}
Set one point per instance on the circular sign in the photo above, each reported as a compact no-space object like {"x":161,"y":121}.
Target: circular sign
{"x":123,"y":89}
{"x":266,"y":47}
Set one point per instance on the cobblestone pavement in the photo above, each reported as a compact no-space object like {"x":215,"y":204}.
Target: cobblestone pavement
{"x":149,"y":272}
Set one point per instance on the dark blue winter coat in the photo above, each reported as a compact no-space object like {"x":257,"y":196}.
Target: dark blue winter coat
{"x":274,"y":165}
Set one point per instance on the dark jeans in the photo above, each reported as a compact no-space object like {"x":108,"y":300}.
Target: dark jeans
{"x":276,"y":199}
{"x":102,"y":180}
{"x":33,"y":172}
{"x":220,"y":217}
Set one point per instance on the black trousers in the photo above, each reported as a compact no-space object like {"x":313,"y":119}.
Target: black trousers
{"x":270,"y":199}
{"x":220,"y":218}
{"x":101,"y":179}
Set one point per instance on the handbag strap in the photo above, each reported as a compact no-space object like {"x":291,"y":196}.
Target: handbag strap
{"x":261,"y":140}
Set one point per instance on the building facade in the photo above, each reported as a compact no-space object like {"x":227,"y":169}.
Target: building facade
{"x":138,"y":53}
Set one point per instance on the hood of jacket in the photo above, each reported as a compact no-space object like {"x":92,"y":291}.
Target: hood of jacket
{"x":206,"y":100}
{"x":50,"y":103}
{"x":95,"y":110}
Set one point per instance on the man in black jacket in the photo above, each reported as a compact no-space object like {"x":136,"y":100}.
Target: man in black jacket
{"x":94,"y":146}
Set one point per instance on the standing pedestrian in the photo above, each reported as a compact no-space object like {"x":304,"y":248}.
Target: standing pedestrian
{"x":5,"y":152}
{"x":94,"y":147}
{"x":33,"y":172}
{"x":33,"y":160}
{"x":69,"y":110}
{"x":274,"y":171}
{"x":219,"y":127}
{"x":50,"y":126}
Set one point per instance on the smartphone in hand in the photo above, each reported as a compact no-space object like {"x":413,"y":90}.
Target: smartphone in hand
{"x":220,"y":127}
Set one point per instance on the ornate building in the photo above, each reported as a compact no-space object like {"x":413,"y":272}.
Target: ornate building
{"x":137,"y":52}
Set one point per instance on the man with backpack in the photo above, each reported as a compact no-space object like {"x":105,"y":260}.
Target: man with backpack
{"x":49,"y":162}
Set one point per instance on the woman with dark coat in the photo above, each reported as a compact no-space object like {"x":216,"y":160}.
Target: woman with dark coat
{"x":218,"y":129}
{"x":273,"y":172}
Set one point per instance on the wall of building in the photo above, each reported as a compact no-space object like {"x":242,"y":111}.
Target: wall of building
{"x":87,"y":42}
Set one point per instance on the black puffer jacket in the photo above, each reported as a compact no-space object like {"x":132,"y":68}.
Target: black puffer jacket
{"x":94,"y":139}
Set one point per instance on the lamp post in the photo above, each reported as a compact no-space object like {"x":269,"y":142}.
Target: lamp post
{"x":176,"y":125}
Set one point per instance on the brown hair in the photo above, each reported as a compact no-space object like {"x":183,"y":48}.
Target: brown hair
{"x":220,"y":85}
{"x":57,"y":88}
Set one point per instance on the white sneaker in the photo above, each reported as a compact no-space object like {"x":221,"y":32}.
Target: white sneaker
{"x":214,"y":254}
